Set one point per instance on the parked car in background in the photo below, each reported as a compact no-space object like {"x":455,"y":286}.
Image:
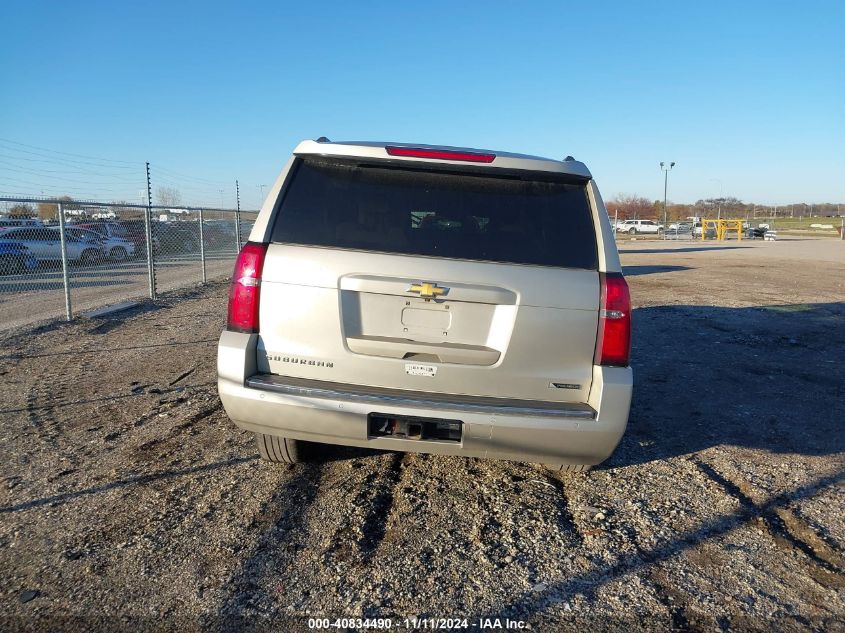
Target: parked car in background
{"x":178,"y":236}
{"x":116,"y":248}
{"x":15,"y":258}
{"x":45,"y":245}
{"x":119,"y":231}
{"x":755,"y":232}
{"x":137,"y":232}
{"x":633,"y":227}
{"x":220,"y":236}
{"x":430,"y":299}
{"x":696,"y":230}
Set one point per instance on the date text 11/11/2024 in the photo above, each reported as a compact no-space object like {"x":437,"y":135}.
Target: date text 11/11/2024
{"x":419,"y":624}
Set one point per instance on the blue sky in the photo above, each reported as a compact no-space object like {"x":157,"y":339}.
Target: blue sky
{"x":746,"y":97}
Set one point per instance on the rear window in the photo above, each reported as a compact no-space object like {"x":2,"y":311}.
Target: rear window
{"x":437,"y":214}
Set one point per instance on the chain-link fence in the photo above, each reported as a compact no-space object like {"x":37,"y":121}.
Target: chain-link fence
{"x":80,"y":259}
{"x":682,"y":230}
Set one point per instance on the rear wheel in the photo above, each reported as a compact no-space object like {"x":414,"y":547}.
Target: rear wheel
{"x":10,"y":265}
{"x":89,"y":257}
{"x":119,"y":254}
{"x":279,"y":450}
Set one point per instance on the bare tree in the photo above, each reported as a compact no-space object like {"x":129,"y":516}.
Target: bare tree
{"x":47,"y":211}
{"x":22,"y":210}
{"x":631,"y":207}
{"x":127,"y":212}
{"x":168,"y":197}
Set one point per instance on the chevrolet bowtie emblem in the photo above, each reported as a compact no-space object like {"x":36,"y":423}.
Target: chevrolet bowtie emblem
{"x":428,"y":290}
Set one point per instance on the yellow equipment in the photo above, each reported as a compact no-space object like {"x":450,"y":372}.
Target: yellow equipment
{"x":722,"y":228}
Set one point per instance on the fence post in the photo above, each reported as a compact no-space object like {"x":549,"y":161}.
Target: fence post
{"x":148,"y":229}
{"x":238,"y":214}
{"x":202,"y":247}
{"x":65,"y":277}
{"x":149,"y":239}
{"x":237,"y":232}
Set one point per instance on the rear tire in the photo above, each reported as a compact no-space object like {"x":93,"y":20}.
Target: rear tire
{"x":89,"y":257}
{"x":119,"y":254}
{"x":279,"y":450}
{"x":10,"y":265}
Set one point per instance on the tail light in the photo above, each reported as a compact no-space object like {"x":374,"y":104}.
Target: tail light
{"x":246,"y":288}
{"x":613,"y":345}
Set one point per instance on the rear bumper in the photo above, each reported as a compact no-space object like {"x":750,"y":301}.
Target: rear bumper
{"x":546,"y":433}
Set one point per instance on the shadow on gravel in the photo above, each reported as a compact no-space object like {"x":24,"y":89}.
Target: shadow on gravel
{"x":762,"y":377}
{"x":648,"y":270}
{"x":32,"y":286}
{"x":282,"y":518}
{"x":685,"y":249}
{"x":136,"y":480}
{"x":588,"y":583}
{"x":326,"y":453}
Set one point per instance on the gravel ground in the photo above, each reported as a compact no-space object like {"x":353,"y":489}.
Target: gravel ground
{"x":128,"y":499}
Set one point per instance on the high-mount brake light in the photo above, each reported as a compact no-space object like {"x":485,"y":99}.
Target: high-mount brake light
{"x":245,"y":290}
{"x":439,"y":154}
{"x":613,"y":345}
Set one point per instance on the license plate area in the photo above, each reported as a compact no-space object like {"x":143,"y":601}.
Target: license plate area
{"x":406,"y":427}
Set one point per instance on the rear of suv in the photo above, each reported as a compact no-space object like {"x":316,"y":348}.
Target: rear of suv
{"x":430,"y":299}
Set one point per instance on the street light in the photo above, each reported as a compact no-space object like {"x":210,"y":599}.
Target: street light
{"x":666,"y":171}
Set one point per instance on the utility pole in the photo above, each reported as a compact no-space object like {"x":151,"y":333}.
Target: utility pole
{"x":148,"y":229}
{"x":666,"y":171}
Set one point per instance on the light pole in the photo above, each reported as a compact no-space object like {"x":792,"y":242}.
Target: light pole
{"x":666,"y":171}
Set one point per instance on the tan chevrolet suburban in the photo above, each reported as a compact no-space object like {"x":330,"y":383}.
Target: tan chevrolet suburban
{"x":431,"y":299}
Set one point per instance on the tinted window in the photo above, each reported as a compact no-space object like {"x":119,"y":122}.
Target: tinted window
{"x":99,"y":228}
{"x":441,"y":214}
{"x":80,"y":235}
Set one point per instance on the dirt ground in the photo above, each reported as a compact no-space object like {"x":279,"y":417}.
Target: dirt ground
{"x":129,"y":501}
